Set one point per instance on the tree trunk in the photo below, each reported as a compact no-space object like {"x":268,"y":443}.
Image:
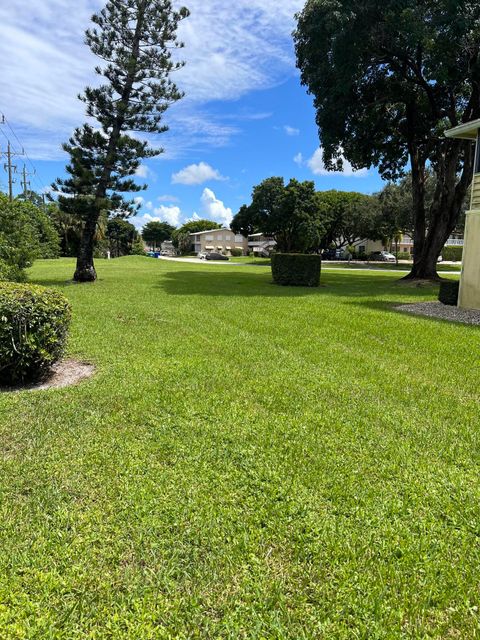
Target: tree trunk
{"x":85,"y":270}
{"x":445,"y":209}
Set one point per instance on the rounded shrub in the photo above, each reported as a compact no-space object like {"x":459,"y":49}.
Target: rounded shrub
{"x":296,"y":269}
{"x":34,"y":325}
{"x":448,"y":293}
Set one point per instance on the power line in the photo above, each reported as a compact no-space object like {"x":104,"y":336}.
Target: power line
{"x":34,"y":173}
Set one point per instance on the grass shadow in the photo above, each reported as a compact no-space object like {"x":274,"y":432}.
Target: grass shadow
{"x":212,"y":282}
{"x":216,"y":283}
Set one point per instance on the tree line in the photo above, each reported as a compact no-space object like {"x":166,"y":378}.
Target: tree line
{"x":301,"y":219}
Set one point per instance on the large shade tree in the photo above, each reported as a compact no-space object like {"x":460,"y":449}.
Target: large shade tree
{"x":288,"y":213}
{"x":349,"y":216}
{"x":155,"y":232}
{"x":26,"y":233}
{"x":388,"y":78}
{"x":120,"y":235}
{"x":135,"y":40}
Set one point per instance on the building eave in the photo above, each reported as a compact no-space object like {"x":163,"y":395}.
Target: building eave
{"x":466,"y":131}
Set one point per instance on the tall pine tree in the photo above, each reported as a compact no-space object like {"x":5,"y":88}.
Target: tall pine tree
{"x":135,"y":40}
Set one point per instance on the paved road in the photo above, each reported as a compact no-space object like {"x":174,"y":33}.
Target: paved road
{"x":355,"y":269}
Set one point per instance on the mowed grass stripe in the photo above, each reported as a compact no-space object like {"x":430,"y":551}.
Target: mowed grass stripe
{"x":249,"y":461}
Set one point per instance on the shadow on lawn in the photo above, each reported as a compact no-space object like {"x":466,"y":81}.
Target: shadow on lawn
{"x":189,"y":282}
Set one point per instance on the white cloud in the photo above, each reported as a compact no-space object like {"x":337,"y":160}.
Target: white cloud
{"x":167,"y":198}
{"x":298,"y":159}
{"x":231,"y":49}
{"x":144,"y":172}
{"x":291,"y":131}
{"x":196,"y":174}
{"x":317,"y":167}
{"x":215,"y":208}
{"x":141,"y":202}
{"x":168,"y":214}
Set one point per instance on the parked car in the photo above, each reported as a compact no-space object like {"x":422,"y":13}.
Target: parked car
{"x":383,"y":256}
{"x":215,"y":256}
{"x":329,"y":254}
{"x":202,"y":255}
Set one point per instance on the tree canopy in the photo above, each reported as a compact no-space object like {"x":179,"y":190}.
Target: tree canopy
{"x":388,"y":78}
{"x":349,"y":216}
{"x":156,"y":232}
{"x":121,"y":235}
{"x":194,"y":226}
{"x":288,"y":213}
{"x":26,"y":233}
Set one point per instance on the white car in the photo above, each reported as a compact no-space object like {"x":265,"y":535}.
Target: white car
{"x":202,"y":255}
{"x":383,"y":256}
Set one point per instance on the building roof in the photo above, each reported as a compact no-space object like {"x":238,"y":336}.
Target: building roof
{"x":466,"y":131}
{"x":199,"y":233}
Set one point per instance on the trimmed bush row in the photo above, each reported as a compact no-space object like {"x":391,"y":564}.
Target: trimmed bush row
{"x":448,"y":293}
{"x":296,"y":269}
{"x":34,"y":324}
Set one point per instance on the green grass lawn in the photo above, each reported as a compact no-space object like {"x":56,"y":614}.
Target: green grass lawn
{"x":249,"y":461}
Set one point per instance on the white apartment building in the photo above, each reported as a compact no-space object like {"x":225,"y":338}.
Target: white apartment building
{"x":219,"y":240}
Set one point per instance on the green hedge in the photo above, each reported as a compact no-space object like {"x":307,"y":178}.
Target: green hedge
{"x":296,"y":269}
{"x":236,"y":253}
{"x":34,"y":324}
{"x":452,"y":254}
{"x":448,"y":293}
{"x":10,"y":272}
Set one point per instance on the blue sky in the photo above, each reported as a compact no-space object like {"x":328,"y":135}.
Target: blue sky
{"x":245,"y":116}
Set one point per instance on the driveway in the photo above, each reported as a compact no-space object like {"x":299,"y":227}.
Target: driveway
{"x":351,"y":269}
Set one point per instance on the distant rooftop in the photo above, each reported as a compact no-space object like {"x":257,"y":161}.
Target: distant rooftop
{"x":199,"y":233}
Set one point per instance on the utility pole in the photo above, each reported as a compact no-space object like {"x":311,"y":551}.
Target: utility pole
{"x":26,"y":183}
{"x":10,"y":168}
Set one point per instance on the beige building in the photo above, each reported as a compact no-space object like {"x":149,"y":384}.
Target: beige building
{"x":469,"y":296}
{"x":406,"y":243}
{"x":219,"y":240}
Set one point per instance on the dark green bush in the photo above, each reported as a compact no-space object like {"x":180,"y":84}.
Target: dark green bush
{"x":296,"y":269}
{"x":448,"y":293}
{"x":34,"y":324}
{"x":236,"y":253}
{"x":452,"y":254}
{"x":10,"y":272}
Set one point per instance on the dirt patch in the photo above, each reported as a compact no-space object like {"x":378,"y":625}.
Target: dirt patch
{"x":442,"y":312}
{"x":63,"y":374}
